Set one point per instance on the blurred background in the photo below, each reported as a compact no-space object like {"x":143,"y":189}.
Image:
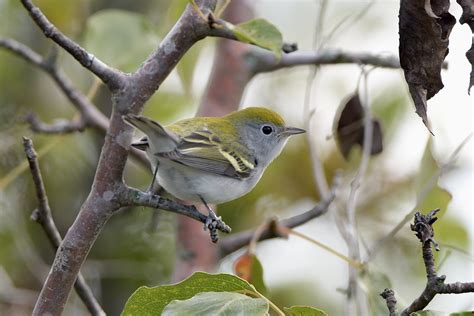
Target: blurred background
{"x":136,"y":249}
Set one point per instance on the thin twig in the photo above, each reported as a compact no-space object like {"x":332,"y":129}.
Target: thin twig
{"x":113,"y":78}
{"x":43,"y":216}
{"x":131,"y":197}
{"x":389,"y":296}
{"x":239,"y":240}
{"x":435,"y":284}
{"x":352,"y":236}
{"x":89,"y":115}
{"x":263,"y":61}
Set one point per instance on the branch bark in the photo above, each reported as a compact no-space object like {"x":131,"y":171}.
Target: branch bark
{"x":435,"y":284}
{"x":239,"y":240}
{"x":89,"y":114}
{"x":110,"y":76}
{"x":129,"y":93}
{"x":263,"y":61}
{"x":43,"y":216}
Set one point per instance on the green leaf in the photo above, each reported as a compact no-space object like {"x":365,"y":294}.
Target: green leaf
{"x":437,"y":197}
{"x":152,"y":301}
{"x":218,"y":303}
{"x":120,"y":38}
{"x":261,"y":33}
{"x":300,"y":310}
{"x":436,"y":313}
{"x":427,"y":313}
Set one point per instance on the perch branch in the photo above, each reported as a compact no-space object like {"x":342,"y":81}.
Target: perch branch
{"x":423,"y":228}
{"x":113,"y":78}
{"x":133,"y":197}
{"x":43,"y":216}
{"x":239,"y":240}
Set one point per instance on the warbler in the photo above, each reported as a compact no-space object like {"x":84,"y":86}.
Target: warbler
{"x":213,"y":159}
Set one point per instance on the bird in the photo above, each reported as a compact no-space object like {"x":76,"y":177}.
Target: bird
{"x":213,"y":159}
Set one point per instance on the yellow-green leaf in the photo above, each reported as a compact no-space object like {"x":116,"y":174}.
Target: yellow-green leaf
{"x":300,"y":310}
{"x":152,"y":300}
{"x":218,"y":304}
{"x":261,"y":33}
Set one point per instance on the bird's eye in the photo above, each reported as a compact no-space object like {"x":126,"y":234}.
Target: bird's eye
{"x":267,"y":129}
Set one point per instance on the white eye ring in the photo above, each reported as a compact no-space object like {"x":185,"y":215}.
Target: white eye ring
{"x":267,"y":129}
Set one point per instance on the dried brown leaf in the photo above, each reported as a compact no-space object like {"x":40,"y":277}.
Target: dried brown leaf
{"x":468,"y":17}
{"x":350,"y":128}
{"x":424,"y":28}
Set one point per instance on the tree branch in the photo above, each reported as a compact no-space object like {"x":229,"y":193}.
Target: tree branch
{"x":239,"y":240}
{"x":129,"y":95}
{"x":134,"y":197}
{"x":389,"y":296}
{"x":43,"y":216}
{"x":263,"y":61}
{"x":113,"y":78}
{"x":90,"y":115}
{"x":435,"y":284}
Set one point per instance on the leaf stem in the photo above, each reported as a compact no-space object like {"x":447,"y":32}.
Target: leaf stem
{"x":259,"y":295}
{"x":354,"y":263}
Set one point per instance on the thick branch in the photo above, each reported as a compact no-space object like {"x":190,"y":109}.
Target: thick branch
{"x":110,"y":76}
{"x":104,"y":198}
{"x":239,"y":240}
{"x":43,"y":216}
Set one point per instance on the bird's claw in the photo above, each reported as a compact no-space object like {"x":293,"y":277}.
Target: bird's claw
{"x":215,"y":223}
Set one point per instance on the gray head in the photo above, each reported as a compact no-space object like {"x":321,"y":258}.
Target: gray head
{"x":263,"y":131}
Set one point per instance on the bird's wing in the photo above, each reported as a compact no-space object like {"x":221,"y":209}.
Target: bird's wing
{"x":205,"y":151}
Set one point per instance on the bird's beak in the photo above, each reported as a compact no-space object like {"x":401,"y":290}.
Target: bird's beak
{"x":288,"y":131}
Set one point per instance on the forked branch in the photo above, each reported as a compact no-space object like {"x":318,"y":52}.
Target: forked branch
{"x":423,"y":228}
{"x":43,"y":216}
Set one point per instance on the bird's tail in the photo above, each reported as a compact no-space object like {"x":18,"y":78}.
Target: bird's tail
{"x":158,"y":135}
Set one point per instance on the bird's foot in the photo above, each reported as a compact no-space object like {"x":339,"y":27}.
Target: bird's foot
{"x":215,"y":223}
